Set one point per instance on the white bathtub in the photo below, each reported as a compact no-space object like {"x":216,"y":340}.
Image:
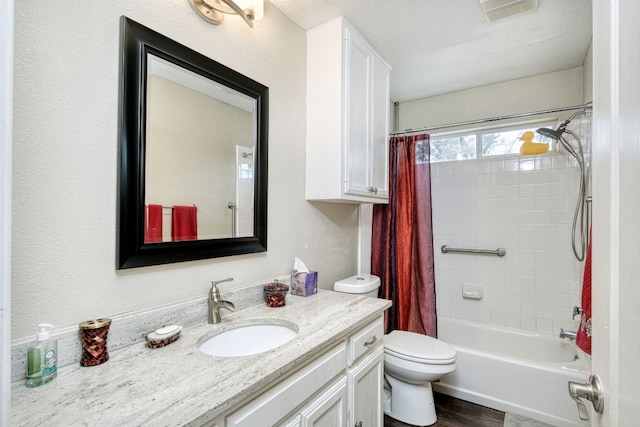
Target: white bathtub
{"x":513,"y":371}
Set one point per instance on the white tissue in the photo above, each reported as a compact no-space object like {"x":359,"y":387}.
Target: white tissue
{"x":299,"y":266}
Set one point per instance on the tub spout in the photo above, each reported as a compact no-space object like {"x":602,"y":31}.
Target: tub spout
{"x":567,"y":334}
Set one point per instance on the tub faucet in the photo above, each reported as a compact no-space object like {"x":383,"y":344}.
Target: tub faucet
{"x":216,"y":303}
{"x":576,"y":311}
{"x":567,"y":334}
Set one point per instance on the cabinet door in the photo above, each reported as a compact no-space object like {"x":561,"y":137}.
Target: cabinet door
{"x":269,"y":408}
{"x":380,"y":129}
{"x":329,"y":409}
{"x":365,"y":390}
{"x":358,"y":114}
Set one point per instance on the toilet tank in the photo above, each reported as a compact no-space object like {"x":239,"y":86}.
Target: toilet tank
{"x":366,"y":284}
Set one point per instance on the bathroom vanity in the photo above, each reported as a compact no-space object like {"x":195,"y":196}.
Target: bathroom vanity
{"x":331,"y":373}
{"x":342,"y":386}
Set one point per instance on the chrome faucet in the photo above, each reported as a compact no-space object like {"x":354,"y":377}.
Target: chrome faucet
{"x":216,"y":303}
{"x":567,"y":334}
{"x":576,"y":311}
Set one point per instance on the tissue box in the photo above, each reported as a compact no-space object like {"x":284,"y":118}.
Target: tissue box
{"x":304,"y":284}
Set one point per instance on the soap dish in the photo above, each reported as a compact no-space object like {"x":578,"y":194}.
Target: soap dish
{"x":163,"y":336}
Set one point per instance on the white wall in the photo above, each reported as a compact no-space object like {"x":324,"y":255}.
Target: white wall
{"x":541,"y":92}
{"x":588,"y":74}
{"x":65,"y":161}
{"x":6,"y":132}
{"x":523,"y":204}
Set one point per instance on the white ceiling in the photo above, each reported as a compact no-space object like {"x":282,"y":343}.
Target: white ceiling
{"x":441,"y":46}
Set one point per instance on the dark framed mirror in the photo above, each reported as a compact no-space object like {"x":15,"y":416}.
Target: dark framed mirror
{"x":193,"y":154}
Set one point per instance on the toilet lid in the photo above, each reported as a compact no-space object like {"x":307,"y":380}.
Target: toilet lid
{"x":418,"y":347}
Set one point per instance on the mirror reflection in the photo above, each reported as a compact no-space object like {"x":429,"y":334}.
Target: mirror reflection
{"x":199,"y":156}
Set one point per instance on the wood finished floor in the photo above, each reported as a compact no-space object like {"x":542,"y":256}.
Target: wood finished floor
{"x":454,"y":412}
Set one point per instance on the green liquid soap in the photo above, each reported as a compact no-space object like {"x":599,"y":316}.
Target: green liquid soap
{"x":42,"y":358}
{"x":34,"y":372}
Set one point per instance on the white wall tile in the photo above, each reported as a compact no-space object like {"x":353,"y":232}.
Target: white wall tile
{"x":544,"y":325}
{"x":512,"y":165}
{"x":526,"y":206}
{"x":482,"y":166}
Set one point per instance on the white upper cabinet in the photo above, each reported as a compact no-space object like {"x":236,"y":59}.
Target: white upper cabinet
{"x":347,"y":116}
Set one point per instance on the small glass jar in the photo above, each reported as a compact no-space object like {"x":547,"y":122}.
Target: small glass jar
{"x":275,"y":294}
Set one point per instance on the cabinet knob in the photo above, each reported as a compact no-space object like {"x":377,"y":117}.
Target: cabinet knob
{"x":373,"y":190}
{"x":359,"y":424}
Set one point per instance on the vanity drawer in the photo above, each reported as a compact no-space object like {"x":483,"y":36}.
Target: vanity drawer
{"x":268,"y":409}
{"x":366,"y":338}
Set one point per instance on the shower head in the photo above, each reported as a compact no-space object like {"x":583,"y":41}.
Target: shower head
{"x":556,"y":134}
{"x":580,"y":230}
{"x":551,"y":133}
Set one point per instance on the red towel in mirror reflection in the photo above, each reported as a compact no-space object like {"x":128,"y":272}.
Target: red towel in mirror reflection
{"x":153,"y":224}
{"x":583,"y":338}
{"x":184,"y":223}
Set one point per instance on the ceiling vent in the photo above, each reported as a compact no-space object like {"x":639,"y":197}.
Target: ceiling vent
{"x":498,"y":9}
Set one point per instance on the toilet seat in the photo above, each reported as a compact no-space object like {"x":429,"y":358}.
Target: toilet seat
{"x":418,"y":348}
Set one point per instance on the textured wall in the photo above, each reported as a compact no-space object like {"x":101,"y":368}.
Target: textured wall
{"x":65,"y":160}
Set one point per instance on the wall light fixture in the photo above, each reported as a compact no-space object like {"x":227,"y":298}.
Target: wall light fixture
{"x":213,"y":11}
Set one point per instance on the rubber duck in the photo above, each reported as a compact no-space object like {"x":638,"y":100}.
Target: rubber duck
{"x":529,"y":146}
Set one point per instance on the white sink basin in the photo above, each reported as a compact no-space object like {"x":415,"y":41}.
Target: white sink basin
{"x":249,"y":337}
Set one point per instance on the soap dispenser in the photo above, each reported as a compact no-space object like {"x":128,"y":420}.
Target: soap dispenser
{"x":42,"y":358}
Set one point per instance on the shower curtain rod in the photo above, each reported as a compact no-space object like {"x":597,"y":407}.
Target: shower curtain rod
{"x":487,"y":120}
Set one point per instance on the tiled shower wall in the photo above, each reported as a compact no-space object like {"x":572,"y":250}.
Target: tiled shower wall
{"x":524,"y":205}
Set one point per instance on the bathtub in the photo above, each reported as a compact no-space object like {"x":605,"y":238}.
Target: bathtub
{"x":513,"y":371}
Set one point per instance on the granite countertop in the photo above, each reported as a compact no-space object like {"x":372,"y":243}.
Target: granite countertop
{"x":177,"y":385}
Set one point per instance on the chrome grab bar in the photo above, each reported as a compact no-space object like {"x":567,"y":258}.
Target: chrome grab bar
{"x":498,"y":252}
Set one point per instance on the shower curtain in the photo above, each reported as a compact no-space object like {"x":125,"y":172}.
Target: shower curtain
{"x":402,"y":239}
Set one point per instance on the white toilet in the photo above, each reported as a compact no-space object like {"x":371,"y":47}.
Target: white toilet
{"x":411,"y":362}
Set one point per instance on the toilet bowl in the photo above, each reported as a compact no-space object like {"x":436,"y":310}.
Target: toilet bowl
{"x":411,"y":362}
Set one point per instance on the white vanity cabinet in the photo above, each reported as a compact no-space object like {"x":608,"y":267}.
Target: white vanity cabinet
{"x":341,"y":387}
{"x":329,"y":409}
{"x":365,"y":391}
{"x":270,"y":408}
{"x":365,"y":376}
{"x":347,"y":116}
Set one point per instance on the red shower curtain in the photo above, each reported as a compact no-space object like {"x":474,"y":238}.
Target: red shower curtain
{"x":402,"y":242}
